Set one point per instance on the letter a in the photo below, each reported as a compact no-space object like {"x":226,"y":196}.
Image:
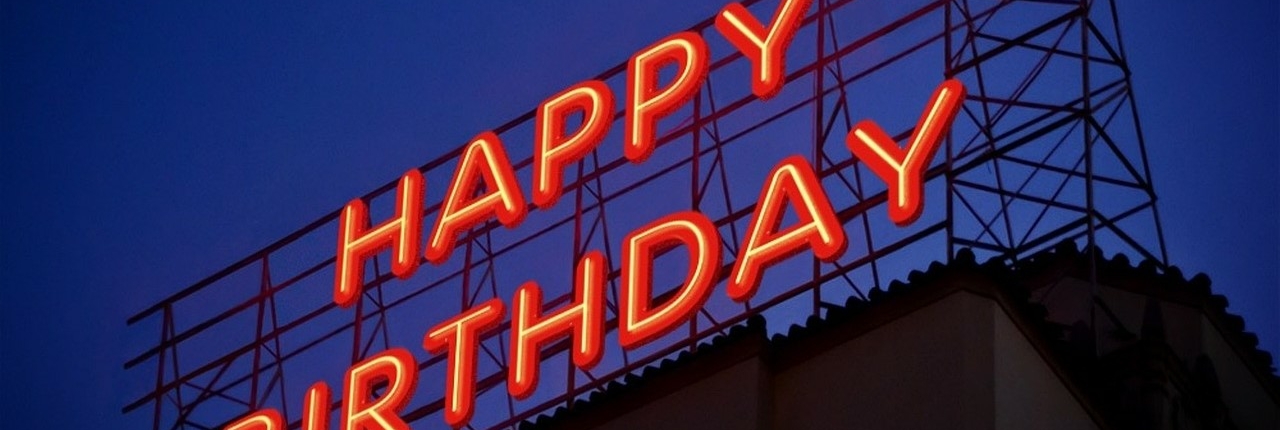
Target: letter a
{"x":483,"y":159}
{"x":792,"y":182}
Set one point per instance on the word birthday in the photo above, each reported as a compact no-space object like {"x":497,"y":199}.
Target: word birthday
{"x":792,"y":185}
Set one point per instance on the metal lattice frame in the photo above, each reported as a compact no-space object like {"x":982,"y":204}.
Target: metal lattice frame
{"x":1047,"y":148}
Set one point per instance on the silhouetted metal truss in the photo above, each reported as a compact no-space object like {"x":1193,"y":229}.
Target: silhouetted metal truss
{"x":1048,"y":148}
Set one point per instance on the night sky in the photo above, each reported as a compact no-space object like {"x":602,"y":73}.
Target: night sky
{"x":146,"y":146}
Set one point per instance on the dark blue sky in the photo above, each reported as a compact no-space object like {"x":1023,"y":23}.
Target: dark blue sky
{"x":146,"y":146}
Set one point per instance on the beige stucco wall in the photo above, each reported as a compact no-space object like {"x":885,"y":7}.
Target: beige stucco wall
{"x":958,"y":363}
{"x":1247,"y":402}
{"x":928,"y":369}
{"x":1027,"y":392}
{"x":730,"y":399}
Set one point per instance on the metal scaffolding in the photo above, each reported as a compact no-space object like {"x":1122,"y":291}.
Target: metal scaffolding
{"x":1047,"y":148}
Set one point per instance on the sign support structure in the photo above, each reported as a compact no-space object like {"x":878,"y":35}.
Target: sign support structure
{"x":1047,"y":148}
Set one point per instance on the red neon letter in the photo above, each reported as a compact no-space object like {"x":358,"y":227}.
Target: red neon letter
{"x":584,"y":320}
{"x":553,"y":150}
{"x":316,"y":411}
{"x":356,"y":242}
{"x":765,"y":47}
{"x":266,"y":419}
{"x":395,"y":366}
{"x":486,"y":157}
{"x":646,"y":103}
{"x":903,"y":171}
{"x":793,"y":180}
{"x":460,"y":337}
{"x":638,"y":321}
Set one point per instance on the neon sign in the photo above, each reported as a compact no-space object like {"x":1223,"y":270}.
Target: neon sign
{"x":791,"y":185}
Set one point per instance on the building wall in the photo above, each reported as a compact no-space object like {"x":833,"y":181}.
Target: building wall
{"x":959,"y":362}
{"x":1188,"y":332}
{"x":957,"y":358}
{"x":734,"y":398}
{"x":927,"y":369}
{"x":1027,"y":392}
{"x":1247,"y":401}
